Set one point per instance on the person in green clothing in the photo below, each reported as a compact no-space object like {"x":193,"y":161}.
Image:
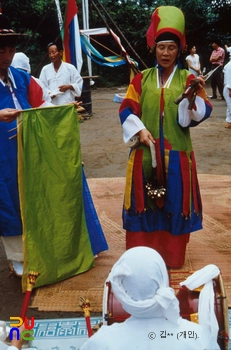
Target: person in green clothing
{"x":149,"y":114}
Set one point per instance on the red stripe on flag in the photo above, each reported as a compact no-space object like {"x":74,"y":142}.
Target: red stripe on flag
{"x":71,"y":12}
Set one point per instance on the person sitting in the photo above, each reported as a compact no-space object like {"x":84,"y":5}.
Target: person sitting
{"x":139,"y":281}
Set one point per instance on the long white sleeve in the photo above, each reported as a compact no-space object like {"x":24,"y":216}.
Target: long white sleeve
{"x":186,"y":116}
{"x":131,"y":126}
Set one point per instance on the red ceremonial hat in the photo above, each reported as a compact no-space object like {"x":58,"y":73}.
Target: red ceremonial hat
{"x":166,"y":19}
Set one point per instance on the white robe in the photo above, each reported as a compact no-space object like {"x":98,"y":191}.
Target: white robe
{"x":227,"y":86}
{"x":151,"y":333}
{"x":67,"y":74}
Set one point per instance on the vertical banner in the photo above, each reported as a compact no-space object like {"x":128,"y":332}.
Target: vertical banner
{"x":85,"y":11}
{"x":59,"y":14}
{"x":71,"y":36}
{"x":55,"y":233}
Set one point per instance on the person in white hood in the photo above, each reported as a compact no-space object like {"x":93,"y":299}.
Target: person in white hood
{"x":22,"y":61}
{"x":139,"y":280}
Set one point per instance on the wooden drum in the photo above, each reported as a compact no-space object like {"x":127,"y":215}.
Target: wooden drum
{"x":188,"y":300}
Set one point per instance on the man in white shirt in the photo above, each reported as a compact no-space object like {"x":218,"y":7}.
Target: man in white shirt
{"x":61,"y":79}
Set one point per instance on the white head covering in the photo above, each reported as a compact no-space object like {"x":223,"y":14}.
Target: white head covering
{"x":139,"y":281}
{"x":206,"y":313}
{"x":21,"y":61}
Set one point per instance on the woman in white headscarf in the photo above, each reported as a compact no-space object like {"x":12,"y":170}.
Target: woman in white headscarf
{"x":139,"y":281}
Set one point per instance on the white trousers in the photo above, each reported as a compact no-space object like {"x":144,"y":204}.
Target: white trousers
{"x":228,"y":102}
{"x":13,"y":247}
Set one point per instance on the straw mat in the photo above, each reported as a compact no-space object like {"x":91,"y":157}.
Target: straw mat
{"x":212,"y":245}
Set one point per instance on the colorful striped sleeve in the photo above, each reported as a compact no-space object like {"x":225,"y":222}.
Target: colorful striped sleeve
{"x":130,"y":104}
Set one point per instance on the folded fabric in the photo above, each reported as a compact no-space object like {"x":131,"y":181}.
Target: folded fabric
{"x":206,"y":313}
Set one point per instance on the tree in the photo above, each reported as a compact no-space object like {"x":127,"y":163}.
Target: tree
{"x":204,"y":19}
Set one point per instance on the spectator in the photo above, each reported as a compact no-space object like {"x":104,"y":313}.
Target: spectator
{"x":21,"y":61}
{"x":227,"y":89}
{"x":193,"y":61}
{"x":61,"y":79}
{"x":217,"y":59}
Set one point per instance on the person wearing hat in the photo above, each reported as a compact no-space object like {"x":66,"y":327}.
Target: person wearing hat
{"x":139,"y":281}
{"x":17,"y":91}
{"x":162,"y":203}
{"x":217,"y":60}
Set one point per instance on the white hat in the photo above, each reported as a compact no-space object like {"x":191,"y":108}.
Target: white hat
{"x":139,"y":281}
{"x":21,"y":61}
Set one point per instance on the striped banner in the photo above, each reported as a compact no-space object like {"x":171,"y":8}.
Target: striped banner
{"x":71,"y":36}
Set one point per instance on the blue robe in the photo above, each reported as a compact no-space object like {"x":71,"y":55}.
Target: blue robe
{"x":29,"y":94}
{"x":10,"y":218}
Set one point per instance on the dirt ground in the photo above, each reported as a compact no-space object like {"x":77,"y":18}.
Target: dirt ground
{"x":105,"y":155}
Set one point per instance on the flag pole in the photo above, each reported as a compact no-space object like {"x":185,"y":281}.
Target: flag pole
{"x":60,"y":19}
{"x":86,"y":306}
{"x":30,"y":282}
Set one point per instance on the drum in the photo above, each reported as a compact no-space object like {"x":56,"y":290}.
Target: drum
{"x":188,"y":301}
{"x":112,"y":308}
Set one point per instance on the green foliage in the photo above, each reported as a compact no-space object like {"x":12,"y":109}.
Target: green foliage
{"x":129,"y":19}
